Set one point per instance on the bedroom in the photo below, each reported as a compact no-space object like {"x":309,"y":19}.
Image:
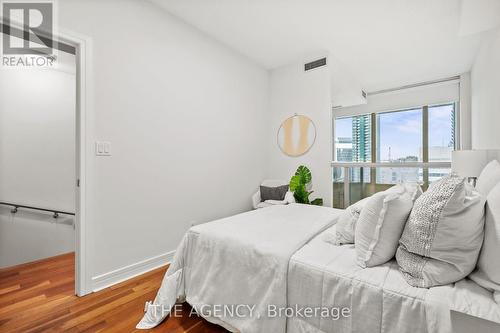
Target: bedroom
{"x":184,"y":108}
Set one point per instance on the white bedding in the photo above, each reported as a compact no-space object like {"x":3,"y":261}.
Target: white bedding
{"x":322,"y":274}
{"x":242,"y":259}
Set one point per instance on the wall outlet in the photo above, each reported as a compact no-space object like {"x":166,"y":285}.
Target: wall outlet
{"x":103,"y":148}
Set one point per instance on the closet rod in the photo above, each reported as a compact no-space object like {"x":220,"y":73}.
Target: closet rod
{"x":16,"y":206}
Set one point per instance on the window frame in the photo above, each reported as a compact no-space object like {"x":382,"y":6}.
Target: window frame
{"x":425,"y":164}
{"x":425,"y":129}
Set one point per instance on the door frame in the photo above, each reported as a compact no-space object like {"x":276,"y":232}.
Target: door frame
{"x":84,"y":107}
{"x":84,"y":104}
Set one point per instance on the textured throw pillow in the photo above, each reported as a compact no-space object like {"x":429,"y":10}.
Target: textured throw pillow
{"x":487,"y":274}
{"x":443,"y":236}
{"x":347,"y":223}
{"x":489,"y":177}
{"x":273,"y":193}
{"x":380,"y":226}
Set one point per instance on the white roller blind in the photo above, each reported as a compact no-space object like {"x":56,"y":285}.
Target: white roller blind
{"x":403,"y":99}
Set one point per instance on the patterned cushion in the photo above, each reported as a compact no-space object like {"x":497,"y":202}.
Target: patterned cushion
{"x":442,"y":238}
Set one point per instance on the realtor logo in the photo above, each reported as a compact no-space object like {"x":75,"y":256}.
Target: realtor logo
{"x":34,"y":35}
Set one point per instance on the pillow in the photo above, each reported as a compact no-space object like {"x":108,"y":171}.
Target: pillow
{"x":443,"y":236}
{"x":380,"y":226}
{"x":413,"y":189}
{"x":489,"y":177}
{"x":487,"y":274}
{"x":347,"y":223}
{"x":273,"y":193}
{"x":289,"y":197}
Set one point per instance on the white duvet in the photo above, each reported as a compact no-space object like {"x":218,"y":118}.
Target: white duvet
{"x":380,"y":300}
{"x":242,"y":259}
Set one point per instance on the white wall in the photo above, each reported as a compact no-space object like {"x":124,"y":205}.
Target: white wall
{"x":184,"y":115}
{"x":307,"y":93}
{"x":485,"y":96}
{"x":37,"y":160}
{"x":28,"y":236}
{"x":346,"y":90}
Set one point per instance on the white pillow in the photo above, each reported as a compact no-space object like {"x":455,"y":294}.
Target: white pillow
{"x":347,"y":223}
{"x":489,"y":177}
{"x":413,"y":189}
{"x":289,"y":197}
{"x":443,"y":236}
{"x":487,"y":274}
{"x":380,"y":226}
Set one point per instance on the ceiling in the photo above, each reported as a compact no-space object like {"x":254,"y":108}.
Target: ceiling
{"x":384,"y":43}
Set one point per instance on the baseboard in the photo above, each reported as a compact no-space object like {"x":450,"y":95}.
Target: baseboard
{"x":121,"y":274}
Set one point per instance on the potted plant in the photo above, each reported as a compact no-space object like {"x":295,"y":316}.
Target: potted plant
{"x":298,"y":185}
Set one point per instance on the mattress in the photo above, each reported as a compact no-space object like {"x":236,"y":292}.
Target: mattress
{"x":379,"y":299}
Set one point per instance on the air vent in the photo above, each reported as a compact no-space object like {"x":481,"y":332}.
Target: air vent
{"x":315,"y":64}
{"x":363,"y":93}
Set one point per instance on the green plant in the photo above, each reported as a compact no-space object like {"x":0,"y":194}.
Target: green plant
{"x":298,"y":184}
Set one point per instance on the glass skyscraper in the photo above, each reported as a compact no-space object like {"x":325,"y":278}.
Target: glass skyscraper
{"x":361,"y":138}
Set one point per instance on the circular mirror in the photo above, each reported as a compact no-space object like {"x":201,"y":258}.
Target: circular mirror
{"x":296,"y":135}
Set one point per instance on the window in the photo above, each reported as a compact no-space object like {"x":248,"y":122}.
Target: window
{"x":399,"y":140}
{"x":442,"y":138}
{"x":353,"y":144}
{"x":441,"y":132}
{"x":399,"y":136}
{"x":353,"y":139}
{"x":421,"y":137}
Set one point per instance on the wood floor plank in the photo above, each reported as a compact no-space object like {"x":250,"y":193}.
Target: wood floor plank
{"x":39,"y":297}
{"x":7,"y":290}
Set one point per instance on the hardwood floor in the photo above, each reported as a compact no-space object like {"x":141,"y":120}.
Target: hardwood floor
{"x":39,"y":297}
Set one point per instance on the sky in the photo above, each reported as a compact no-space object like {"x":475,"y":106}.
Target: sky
{"x":402,"y":131}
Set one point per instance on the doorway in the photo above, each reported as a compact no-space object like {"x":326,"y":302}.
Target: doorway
{"x":58,"y":198}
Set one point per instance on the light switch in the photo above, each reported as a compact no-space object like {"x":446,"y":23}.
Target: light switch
{"x":103,"y":148}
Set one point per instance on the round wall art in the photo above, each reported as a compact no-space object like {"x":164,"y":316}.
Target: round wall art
{"x":296,"y":135}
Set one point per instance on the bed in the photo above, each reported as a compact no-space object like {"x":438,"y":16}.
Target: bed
{"x":276,"y":256}
{"x":379,"y":298}
{"x":243,"y":260}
